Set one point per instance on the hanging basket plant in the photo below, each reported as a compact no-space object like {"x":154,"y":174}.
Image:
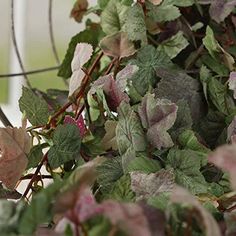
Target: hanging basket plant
{"x":143,"y":143}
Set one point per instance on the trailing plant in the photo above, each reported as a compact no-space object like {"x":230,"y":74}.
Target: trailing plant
{"x":129,"y":149}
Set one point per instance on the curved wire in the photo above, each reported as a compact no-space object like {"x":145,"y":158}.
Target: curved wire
{"x":4,"y":119}
{"x":53,"y":44}
{"x":16,"y":46}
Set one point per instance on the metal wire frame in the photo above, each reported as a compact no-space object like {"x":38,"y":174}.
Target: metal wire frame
{"x":24,"y":73}
{"x":15,"y":45}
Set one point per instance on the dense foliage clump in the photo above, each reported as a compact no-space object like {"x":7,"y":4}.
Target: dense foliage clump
{"x":143,"y":143}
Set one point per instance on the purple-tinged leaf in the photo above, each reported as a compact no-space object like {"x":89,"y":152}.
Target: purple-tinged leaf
{"x":158,"y":116}
{"x":232,"y":82}
{"x":224,"y":157}
{"x":208,"y":223}
{"x":124,"y":75}
{"x":117,"y":45}
{"x":220,"y":9}
{"x":153,"y":216}
{"x":231,"y":131}
{"x":77,"y":186}
{"x":150,"y":185}
{"x":111,"y":89}
{"x":126,"y":216}
{"x":79,"y":123}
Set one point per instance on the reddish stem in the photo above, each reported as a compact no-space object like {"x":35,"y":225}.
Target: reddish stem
{"x":29,"y":176}
{"x":79,"y":112}
{"x":34,"y":177}
{"x":110,"y":66}
{"x":80,"y":93}
{"x":231,"y":208}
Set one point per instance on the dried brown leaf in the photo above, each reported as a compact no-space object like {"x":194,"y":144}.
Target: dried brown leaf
{"x":14,"y":146}
{"x":117,"y":45}
{"x":79,"y":9}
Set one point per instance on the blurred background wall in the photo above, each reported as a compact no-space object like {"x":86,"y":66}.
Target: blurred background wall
{"x":31,"y":18}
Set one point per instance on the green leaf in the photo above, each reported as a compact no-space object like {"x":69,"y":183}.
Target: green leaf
{"x":121,"y":190}
{"x":160,"y":202}
{"x":129,"y":132}
{"x":113,"y":17}
{"x":102,"y":3}
{"x":101,"y":228}
{"x":211,"y":127}
{"x":188,"y":140}
{"x":40,"y":209}
{"x":210,"y":42}
{"x":144,"y":164}
{"x":35,"y":155}
{"x":127,"y":157}
{"x":35,"y":107}
{"x":186,"y":165}
{"x":109,"y":172}
{"x":219,"y":97}
{"x":166,"y":11}
{"x":66,"y":145}
{"x":215,"y":50}
{"x":86,"y":36}
{"x":92,"y":145}
{"x":94,"y":110}
{"x":183,"y":3}
{"x":205,"y":74}
{"x":135,"y":24}
{"x":174,"y":45}
{"x":127,"y":2}
{"x":10,"y":214}
{"x":215,"y":65}
{"x":148,"y":61}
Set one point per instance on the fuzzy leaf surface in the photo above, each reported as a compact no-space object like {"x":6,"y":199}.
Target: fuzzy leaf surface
{"x":66,"y":145}
{"x":35,"y":107}
{"x":129,"y":131}
{"x":135,"y":25}
{"x":186,"y":165}
{"x":148,"y":60}
{"x":173,"y":46}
